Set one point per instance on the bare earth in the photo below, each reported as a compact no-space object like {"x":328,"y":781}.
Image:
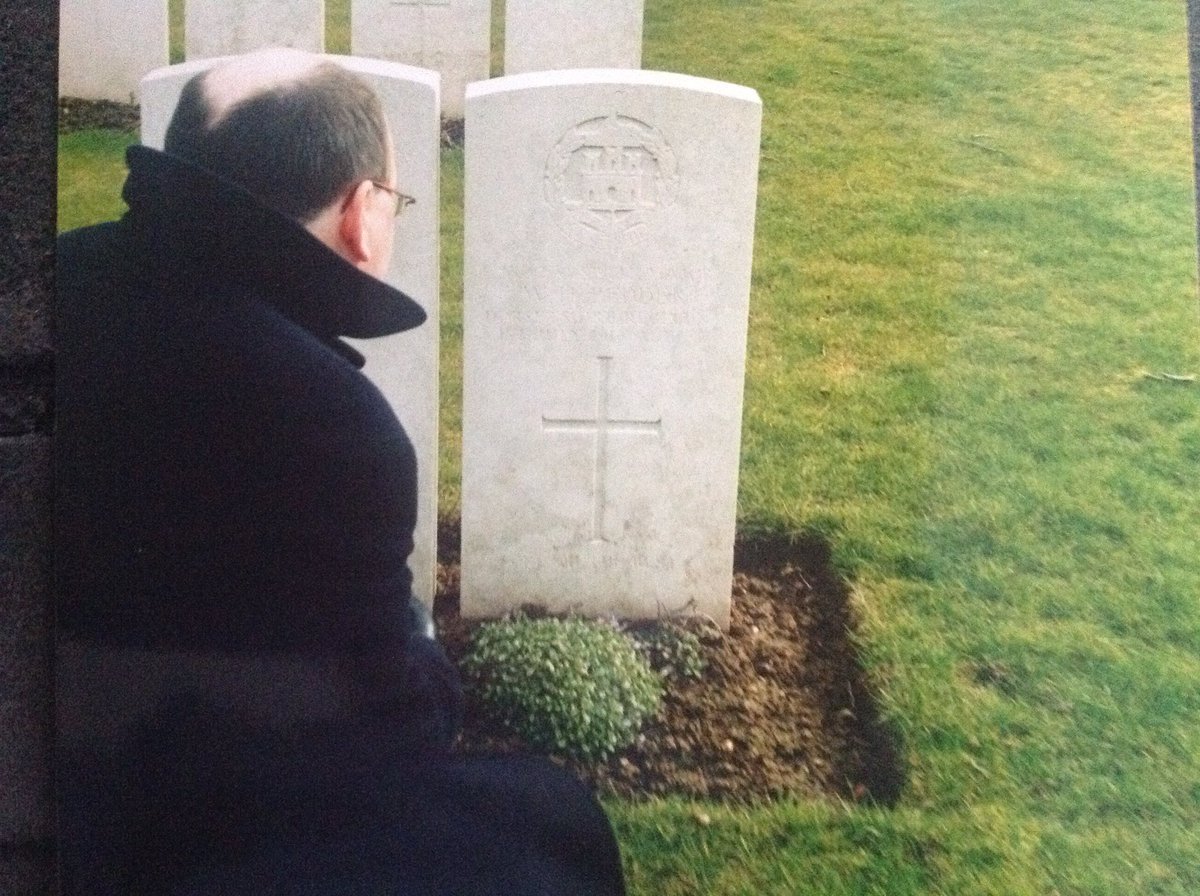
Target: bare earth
{"x":783,"y":707}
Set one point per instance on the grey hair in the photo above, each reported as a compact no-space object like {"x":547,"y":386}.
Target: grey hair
{"x":295,"y":145}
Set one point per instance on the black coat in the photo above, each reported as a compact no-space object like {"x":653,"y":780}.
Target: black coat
{"x":235,"y":505}
{"x":228,"y":476}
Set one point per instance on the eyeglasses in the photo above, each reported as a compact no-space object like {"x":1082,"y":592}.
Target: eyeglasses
{"x":403,"y":200}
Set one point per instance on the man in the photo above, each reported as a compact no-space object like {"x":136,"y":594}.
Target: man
{"x":248,"y":695}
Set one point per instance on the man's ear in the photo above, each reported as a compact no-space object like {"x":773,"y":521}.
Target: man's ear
{"x":352,"y":224}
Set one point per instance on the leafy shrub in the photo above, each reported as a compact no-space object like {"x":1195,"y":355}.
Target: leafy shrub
{"x":672,"y":650}
{"x":568,"y":686}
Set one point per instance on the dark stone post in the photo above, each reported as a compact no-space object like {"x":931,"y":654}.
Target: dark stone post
{"x":28,"y":80}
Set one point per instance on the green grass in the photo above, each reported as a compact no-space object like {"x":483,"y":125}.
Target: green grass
{"x":91,"y":169}
{"x":975,"y":257}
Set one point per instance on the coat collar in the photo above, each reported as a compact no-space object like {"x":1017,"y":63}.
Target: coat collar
{"x":212,"y":235}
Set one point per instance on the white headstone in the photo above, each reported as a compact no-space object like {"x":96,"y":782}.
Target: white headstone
{"x":105,"y":47}
{"x":452,"y":37}
{"x":404,"y":366}
{"x":542,"y":35}
{"x":608,"y":237}
{"x":225,"y":27}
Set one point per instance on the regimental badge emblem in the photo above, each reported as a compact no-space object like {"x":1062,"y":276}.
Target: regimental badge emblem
{"x":607,"y":177}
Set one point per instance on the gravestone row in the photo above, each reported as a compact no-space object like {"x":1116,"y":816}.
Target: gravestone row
{"x":608,"y":239}
{"x":106,"y":46}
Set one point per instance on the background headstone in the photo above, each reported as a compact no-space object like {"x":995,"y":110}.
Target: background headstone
{"x":403,"y":366}
{"x":541,"y":35}
{"x":452,"y":37}
{"x":226,"y":27}
{"x":106,"y":46}
{"x":608,"y":237}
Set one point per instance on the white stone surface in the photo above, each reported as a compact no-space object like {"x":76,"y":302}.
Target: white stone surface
{"x":106,"y":46}
{"x":158,"y":95}
{"x":541,"y":35}
{"x":404,"y":366}
{"x":609,"y":235}
{"x":452,"y":37}
{"x":224,"y":27}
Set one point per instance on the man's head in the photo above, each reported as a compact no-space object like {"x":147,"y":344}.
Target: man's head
{"x":304,"y":136}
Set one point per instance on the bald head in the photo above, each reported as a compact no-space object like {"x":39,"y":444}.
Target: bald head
{"x":228,"y":84}
{"x":290,"y":127}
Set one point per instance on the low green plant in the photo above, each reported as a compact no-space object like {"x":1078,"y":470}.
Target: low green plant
{"x":574,"y":687}
{"x":672,"y":650}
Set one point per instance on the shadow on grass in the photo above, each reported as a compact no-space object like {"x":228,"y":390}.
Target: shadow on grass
{"x":784,"y":708}
{"x":874,"y":761}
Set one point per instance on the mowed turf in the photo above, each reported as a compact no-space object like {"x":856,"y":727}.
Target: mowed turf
{"x":974,"y":369}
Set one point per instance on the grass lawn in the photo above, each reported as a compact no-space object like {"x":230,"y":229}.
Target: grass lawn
{"x":974,"y":327}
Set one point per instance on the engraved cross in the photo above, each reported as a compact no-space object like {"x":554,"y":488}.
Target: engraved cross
{"x":601,"y":426}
